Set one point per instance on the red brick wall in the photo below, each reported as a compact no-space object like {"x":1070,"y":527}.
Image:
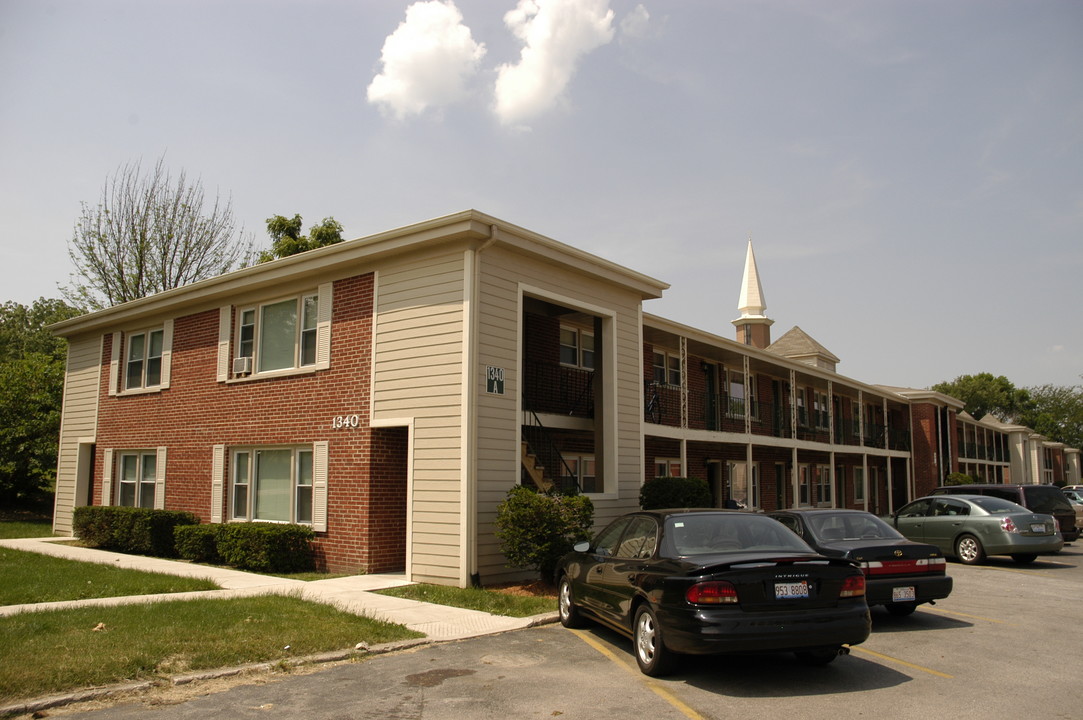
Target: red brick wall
{"x":197,"y":412}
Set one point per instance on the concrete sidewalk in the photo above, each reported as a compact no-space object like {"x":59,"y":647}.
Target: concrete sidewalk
{"x":351,"y":594}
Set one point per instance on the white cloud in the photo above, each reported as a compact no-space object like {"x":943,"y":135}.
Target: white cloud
{"x":555,"y":35}
{"x":636,"y":23}
{"x":427,"y":61}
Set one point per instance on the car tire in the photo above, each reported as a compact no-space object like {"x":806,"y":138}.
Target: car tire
{"x":570,"y":616}
{"x":652,"y":656}
{"x":969,"y":551}
{"x":902,"y":609}
{"x":817,"y":656}
{"x":1024,"y":558}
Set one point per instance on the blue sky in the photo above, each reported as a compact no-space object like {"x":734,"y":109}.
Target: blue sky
{"x":910,"y":172}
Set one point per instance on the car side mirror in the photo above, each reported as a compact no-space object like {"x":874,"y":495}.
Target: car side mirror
{"x":581,"y":547}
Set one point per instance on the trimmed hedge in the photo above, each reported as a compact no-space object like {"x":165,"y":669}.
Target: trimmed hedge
{"x":536,"y":529}
{"x":259,"y":547}
{"x":140,"y":531}
{"x":674,"y":492}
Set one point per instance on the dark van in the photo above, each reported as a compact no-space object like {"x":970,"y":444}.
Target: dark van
{"x":1048,"y":499}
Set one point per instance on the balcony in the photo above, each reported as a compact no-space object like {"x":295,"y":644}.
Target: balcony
{"x":558,"y":389}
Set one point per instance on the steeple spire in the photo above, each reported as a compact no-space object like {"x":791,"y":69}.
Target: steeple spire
{"x":753,"y":327}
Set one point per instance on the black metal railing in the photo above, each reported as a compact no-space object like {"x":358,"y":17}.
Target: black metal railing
{"x":554,"y":467}
{"x":558,"y":389}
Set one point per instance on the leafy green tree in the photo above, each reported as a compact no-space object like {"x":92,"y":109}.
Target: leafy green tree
{"x":149,"y":233}
{"x":31,"y":388}
{"x":286,"y":237}
{"x":1057,"y":413}
{"x":536,"y":529}
{"x":985,"y":394}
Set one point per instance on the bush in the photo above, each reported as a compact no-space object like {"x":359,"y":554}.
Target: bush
{"x":266,"y":547}
{"x":198,"y":543}
{"x":674,"y":492}
{"x":958,"y":478}
{"x":140,"y":531}
{"x":536,"y":529}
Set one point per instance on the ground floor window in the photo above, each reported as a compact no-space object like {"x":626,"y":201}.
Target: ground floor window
{"x":823,"y":484}
{"x":137,"y":473}
{"x":583,"y":472}
{"x":859,"y":484}
{"x":668,"y":467}
{"x":272,"y":484}
{"x":743,"y":487}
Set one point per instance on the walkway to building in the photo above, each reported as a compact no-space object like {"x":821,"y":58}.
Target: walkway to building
{"x":352,"y":594}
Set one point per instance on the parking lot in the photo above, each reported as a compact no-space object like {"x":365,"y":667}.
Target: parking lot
{"x":1004,"y":644}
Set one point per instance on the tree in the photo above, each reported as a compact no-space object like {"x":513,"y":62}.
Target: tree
{"x":150,"y":233}
{"x":536,"y":529}
{"x":1057,"y":413}
{"x":31,"y":387}
{"x":985,"y":394}
{"x":286,"y":237}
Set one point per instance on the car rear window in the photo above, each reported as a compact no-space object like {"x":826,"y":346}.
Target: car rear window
{"x":997,"y":506}
{"x":850,"y":526}
{"x":713,"y":533}
{"x":1046,"y":500}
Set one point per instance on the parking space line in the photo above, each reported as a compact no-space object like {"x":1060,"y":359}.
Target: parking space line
{"x":658,"y":689}
{"x":968,"y":615}
{"x":902,"y":662}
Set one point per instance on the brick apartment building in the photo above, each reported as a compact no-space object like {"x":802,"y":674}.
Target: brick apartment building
{"x":388,"y":391}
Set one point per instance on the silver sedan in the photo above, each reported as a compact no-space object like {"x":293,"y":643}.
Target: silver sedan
{"x":971,"y":527}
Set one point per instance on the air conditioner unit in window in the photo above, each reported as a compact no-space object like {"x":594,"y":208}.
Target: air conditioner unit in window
{"x":242,"y":366}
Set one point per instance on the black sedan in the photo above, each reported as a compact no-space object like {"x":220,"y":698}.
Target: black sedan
{"x":712,"y":581}
{"x":900,"y":574}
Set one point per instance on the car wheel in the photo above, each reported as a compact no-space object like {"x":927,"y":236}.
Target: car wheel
{"x":817,"y":656}
{"x":902,"y":609}
{"x":570,"y":617}
{"x":650,"y":649}
{"x":1024,"y":558}
{"x":969,"y":550}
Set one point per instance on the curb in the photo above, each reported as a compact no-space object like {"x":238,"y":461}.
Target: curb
{"x":53,"y":701}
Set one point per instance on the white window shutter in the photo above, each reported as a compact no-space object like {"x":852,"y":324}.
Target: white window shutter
{"x":225,"y":316}
{"x":323,"y":326}
{"x":218,"y":475}
{"x":167,"y":352}
{"x":114,"y":364}
{"x":159,"y":481}
{"x":107,"y":477}
{"x":319,"y":486}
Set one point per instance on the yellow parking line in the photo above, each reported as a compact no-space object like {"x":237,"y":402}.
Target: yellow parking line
{"x":902,"y":662}
{"x":658,"y":689}
{"x":967,"y":615}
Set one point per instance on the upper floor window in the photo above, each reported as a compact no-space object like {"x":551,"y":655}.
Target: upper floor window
{"x":576,"y":348}
{"x":667,"y":368}
{"x":288,"y":334}
{"x":143,"y":359}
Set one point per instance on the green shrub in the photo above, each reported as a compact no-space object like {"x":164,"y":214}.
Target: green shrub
{"x":536,"y":529}
{"x":141,"y":531}
{"x":198,"y":543}
{"x":674,"y":492}
{"x":266,"y":547}
{"x":958,"y":478}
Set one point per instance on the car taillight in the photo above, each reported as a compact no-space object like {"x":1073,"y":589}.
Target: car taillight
{"x":1007,"y":525}
{"x":716,"y":592}
{"x":853,"y":586}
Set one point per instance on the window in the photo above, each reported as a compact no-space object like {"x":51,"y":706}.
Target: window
{"x":143,"y":360}
{"x":137,"y":473}
{"x":823,"y":484}
{"x":820,"y":407}
{"x":272,"y":484}
{"x":667,"y":467}
{"x":282,"y":335}
{"x":667,"y":368}
{"x":742,"y":488}
{"x":576,"y":348}
{"x":583,"y":473}
{"x":859,"y":484}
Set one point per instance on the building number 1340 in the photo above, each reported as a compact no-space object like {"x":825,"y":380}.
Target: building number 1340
{"x":346,"y":422}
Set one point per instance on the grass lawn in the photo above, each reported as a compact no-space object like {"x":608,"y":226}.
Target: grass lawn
{"x":30,"y":577}
{"x":24,"y":525}
{"x":488,"y":600}
{"x":48,"y":652}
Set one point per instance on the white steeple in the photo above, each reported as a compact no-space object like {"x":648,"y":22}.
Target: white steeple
{"x":752,"y":302}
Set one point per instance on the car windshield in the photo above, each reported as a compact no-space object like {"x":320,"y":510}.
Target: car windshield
{"x":827,"y":527}
{"x":713,"y":533}
{"x":997,"y":506}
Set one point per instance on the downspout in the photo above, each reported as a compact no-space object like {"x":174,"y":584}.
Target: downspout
{"x":468,"y":495}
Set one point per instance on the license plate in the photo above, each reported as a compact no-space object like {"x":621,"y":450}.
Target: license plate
{"x":902,"y":594}
{"x":786,"y":591}
{"x":1037,"y":527}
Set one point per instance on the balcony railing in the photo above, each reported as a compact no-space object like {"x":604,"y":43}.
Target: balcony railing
{"x":558,"y":389}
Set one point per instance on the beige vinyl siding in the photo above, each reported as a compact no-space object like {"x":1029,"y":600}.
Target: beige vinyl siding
{"x":498,"y":424}
{"x":79,"y":421}
{"x":417,"y":372}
